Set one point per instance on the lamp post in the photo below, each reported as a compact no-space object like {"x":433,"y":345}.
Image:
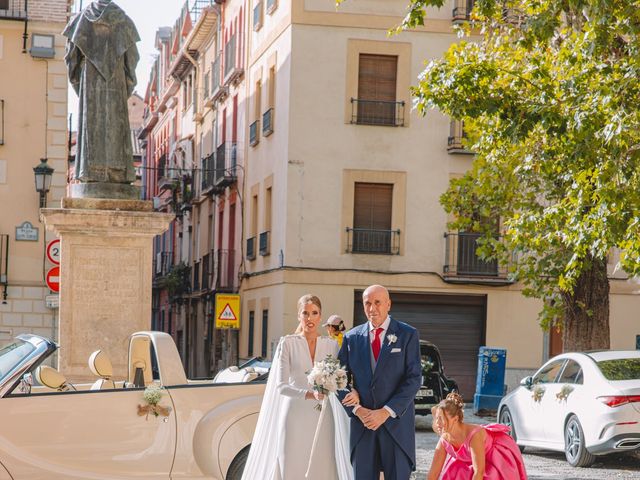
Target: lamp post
{"x":43,"y":173}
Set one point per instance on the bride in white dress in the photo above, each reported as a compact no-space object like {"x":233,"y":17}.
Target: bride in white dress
{"x":283,"y":441}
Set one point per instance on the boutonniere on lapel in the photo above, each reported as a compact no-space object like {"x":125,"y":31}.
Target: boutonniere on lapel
{"x":392,"y":338}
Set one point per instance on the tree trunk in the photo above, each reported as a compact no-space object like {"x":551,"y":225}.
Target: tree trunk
{"x":586,"y":317}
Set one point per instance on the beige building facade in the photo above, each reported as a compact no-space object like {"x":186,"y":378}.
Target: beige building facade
{"x":33,"y":125}
{"x":342,"y":190}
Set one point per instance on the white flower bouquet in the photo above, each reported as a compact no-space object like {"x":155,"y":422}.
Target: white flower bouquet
{"x":327,"y":376}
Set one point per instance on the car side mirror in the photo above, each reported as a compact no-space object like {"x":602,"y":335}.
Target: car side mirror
{"x":527,"y":382}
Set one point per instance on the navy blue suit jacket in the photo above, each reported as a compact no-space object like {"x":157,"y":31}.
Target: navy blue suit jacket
{"x":395,"y":381}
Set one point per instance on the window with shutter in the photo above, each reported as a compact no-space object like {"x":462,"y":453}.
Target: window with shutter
{"x":377,"y":78}
{"x":372,"y":212}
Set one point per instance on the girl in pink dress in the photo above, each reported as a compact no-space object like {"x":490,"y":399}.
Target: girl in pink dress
{"x":472,"y":452}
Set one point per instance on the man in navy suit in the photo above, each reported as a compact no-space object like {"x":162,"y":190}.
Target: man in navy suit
{"x":383,"y":359}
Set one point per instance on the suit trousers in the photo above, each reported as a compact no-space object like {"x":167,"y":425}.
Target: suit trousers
{"x":378,"y":452}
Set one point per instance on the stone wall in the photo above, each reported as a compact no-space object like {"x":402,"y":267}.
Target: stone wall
{"x":25,"y":312}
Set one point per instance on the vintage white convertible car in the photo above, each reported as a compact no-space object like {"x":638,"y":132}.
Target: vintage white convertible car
{"x":57,"y":430}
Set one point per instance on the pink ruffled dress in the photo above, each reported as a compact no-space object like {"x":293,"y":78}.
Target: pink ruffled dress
{"x":503,"y":460}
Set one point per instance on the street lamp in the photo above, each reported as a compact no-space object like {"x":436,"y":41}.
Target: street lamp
{"x":43,"y":174}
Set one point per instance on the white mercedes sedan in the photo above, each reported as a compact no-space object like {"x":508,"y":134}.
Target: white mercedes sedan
{"x":585,"y":404}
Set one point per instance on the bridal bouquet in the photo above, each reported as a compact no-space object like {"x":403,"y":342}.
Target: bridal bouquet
{"x":327,"y":376}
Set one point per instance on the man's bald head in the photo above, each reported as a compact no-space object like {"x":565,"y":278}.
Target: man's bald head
{"x":376,"y":303}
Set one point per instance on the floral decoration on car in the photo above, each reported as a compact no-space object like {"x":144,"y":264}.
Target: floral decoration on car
{"x":538,"y":393}
{"x":564,"y":393}
{"x":152,"y":395}
{"x":427,"y":365}
{"x":392,"y":338}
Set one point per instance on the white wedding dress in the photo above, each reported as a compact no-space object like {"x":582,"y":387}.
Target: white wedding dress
{"x":287,"y":424}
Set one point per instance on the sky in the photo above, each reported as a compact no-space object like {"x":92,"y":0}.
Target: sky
{"x":148,"y":15}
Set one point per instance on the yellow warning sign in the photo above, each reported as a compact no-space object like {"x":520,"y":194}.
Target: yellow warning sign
{"x":227,"y":311}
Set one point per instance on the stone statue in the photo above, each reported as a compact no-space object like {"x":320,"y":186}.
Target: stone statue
{"x":101,"y":60}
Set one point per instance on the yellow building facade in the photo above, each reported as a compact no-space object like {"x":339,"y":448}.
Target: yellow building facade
{"x":342,"y":187}
{"x":33,"y":125}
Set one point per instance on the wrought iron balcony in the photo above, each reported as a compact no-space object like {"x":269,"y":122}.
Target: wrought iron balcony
{"x":162,"y":264}
{"x":225,"y":270}
{"x":457,"y":136}
{"x":254,"y":136}
{"x":367,"y":240}
{"x":206,"y":271}
{"x":196,"y":277}
{"x":462,"y":263}
{"x":462,"y":10}
{"x":233,"y":70}
{"x":267,"y":122}
{"x":218,"y":91}
{"x":226,"y":163}
{"x":377,"y":112}
{"x":264,"y":243}
{"x":207,"y":180}
{"x":13,"y":10}
{"x":251,"y":248}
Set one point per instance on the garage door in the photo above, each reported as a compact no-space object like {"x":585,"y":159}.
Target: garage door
{"x":455,"y":323}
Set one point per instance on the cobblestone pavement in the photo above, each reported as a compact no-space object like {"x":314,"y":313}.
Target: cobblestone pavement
{"x":541,"y":465}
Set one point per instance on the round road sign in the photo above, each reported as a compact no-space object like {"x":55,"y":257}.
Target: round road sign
{"x":53,"y":251}
{"x":53,"y":279}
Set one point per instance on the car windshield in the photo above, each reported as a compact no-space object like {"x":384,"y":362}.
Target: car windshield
{"x":11,"y":355}
{"x":620,"y":369}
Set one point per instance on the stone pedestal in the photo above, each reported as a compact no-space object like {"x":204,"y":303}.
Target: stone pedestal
{"x":105,"y":278}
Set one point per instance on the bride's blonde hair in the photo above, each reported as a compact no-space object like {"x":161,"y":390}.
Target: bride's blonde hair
{"x":302,"y":301}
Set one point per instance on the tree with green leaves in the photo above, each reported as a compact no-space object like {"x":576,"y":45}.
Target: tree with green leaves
{"x":549,"y":93}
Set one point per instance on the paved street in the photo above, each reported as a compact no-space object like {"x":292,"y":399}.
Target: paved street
{"x":541,"y":465}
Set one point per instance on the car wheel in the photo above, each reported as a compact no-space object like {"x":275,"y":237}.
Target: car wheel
{"x":507,"y":419}
{"x":574,"y":445}
{"x":237,"y":466}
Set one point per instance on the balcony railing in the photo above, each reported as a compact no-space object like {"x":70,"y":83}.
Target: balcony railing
{"x":206,"y":271}
{"x":208,"y":172}
{"x":197,"y":6}
{"x":254,"y":136}
{"x":226,"y":163}
{"x":264,"y":243}
{"x":162,"y":264}
{"x":462,"y":260}
{"x":367,"y":240}
{"x":232,"y":67}
{"x":218,"y":91}
{"x":13,"y":9}
{"x":251,"y":248}
{"x":196,"y":277}
{"x":225,"y":270}
{"x":462,"y":10}
{"x":457,"y":137}
{"x":267,"y":122}
{"x":377,"y":112}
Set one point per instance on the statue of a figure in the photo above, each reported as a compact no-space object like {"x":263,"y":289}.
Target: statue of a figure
{"x":101,"y":60}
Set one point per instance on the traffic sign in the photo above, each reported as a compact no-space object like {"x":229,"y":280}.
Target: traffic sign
{"x":53,"y":279}
{"x":53,"y":251}
{"x":227,"y":311}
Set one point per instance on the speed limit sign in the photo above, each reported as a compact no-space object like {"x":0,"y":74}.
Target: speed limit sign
{"x":53,"y":251}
